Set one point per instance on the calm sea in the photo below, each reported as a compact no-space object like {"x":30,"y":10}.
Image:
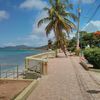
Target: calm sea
{"x":15,"y":57}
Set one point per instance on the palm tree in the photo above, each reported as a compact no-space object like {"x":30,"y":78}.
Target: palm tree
{"x":58,"y":20}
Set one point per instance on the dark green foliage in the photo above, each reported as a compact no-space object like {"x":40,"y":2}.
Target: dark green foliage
{"x":93,"y":56}
{"x":72,"y":44}
{"x":89,"y":39}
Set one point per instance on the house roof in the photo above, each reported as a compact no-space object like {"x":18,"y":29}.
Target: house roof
{"x":97,"y":33}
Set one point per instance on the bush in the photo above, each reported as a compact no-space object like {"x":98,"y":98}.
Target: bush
{"x":72,"y":49}
{"x":93,"y":56}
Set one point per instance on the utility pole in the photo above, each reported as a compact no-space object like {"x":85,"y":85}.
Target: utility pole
{"x":78,"y":25}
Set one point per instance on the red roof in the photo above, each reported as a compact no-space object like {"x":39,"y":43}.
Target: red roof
{"x":97,"y":33}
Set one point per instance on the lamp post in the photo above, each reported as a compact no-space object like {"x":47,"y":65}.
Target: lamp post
{"x":78,"y":34}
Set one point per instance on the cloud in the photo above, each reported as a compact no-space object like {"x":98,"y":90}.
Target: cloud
{"x":87,"y":1}
{"x":30,"y":4}
{"x":8,"y":44}
{"x":92,"y":26}
{"x":83,"y":1}
{"x":38,"y":35}
{"x":3,"y":15}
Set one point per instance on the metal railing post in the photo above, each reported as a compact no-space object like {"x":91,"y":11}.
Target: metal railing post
{"x":6,"y":74}
{"x":13,"y":73}
{"x":17,"y":71}
{"x":0,"y":71}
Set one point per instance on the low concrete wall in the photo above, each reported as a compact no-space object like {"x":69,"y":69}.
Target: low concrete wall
{"x":26,"y":92}
{"x":42,"y":59}
{"x":50,"y":54}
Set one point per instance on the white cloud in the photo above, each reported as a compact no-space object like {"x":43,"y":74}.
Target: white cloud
{"x":38,"y":35}
{"x":92,"y":26}
{"x":3,"y":15}
{"x":39,"y":32}
{"x":87,"y":1}
{"x":30,"y":4}
{"x":8,"y":44}
{"x":83,"y":1}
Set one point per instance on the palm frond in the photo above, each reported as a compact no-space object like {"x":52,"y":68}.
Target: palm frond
{"x":73,"y":16}
{"x":66,"y":26}
{"x":52,"y":2}
{"x":43,"y":21}
{"x":51,"y":12}
{"x":46,"y":9}
{"x":70,"y":23}
{"x":49,"y":27}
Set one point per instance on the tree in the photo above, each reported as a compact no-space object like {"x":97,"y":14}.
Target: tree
{"x":72,"y":44}
{"x":89,"y":39}
{"x":58,"y":20}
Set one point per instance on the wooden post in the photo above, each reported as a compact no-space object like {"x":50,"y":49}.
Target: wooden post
{"x":46,"y":70}
{"x":44,"y":67}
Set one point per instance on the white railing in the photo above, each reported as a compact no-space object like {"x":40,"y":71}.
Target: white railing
{"x":38,"y":63}
{"x":5,"y":72}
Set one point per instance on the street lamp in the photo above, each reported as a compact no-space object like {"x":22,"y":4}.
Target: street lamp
{"x":78,"y":34}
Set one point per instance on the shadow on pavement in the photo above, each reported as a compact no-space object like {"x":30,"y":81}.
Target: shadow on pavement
{"x":93,"y":91}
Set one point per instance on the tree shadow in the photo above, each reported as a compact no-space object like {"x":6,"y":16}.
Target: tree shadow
{"x":93,"y":91}
{"x":62,"y":56}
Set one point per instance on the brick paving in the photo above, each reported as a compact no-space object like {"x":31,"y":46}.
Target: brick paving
{"x":66,"y":80}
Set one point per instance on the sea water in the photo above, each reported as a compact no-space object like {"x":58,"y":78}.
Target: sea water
{"x":15,"y":57}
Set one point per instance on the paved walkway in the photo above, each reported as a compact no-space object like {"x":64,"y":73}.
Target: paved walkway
{"x":66,"y":80}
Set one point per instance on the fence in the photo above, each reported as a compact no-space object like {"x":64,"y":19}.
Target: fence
{"x":9,"y":71}
{"x":38,"y":63}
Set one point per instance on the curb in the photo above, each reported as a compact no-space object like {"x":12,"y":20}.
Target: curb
{"x":26,"y":92}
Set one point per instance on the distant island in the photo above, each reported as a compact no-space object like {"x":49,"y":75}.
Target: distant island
{"x":23,"y":47}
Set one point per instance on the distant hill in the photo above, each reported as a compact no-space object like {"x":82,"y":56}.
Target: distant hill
{"x":42,"y":47}
{"x":19,"y":47}
{"x":23,"y":47}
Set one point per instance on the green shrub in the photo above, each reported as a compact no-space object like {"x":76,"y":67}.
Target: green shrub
{"x":72,"y":49}
{"x":93,"y":56}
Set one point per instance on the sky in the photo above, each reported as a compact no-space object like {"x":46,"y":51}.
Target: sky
{"x":19,"y":18}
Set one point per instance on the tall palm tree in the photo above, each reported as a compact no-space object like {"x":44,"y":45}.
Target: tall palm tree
{"x":58,"y":20}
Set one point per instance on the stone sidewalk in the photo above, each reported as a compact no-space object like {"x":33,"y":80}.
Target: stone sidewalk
{"x":66,"y":80}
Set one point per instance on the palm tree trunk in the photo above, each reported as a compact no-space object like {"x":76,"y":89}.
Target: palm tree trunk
{"x":62,"y":43}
